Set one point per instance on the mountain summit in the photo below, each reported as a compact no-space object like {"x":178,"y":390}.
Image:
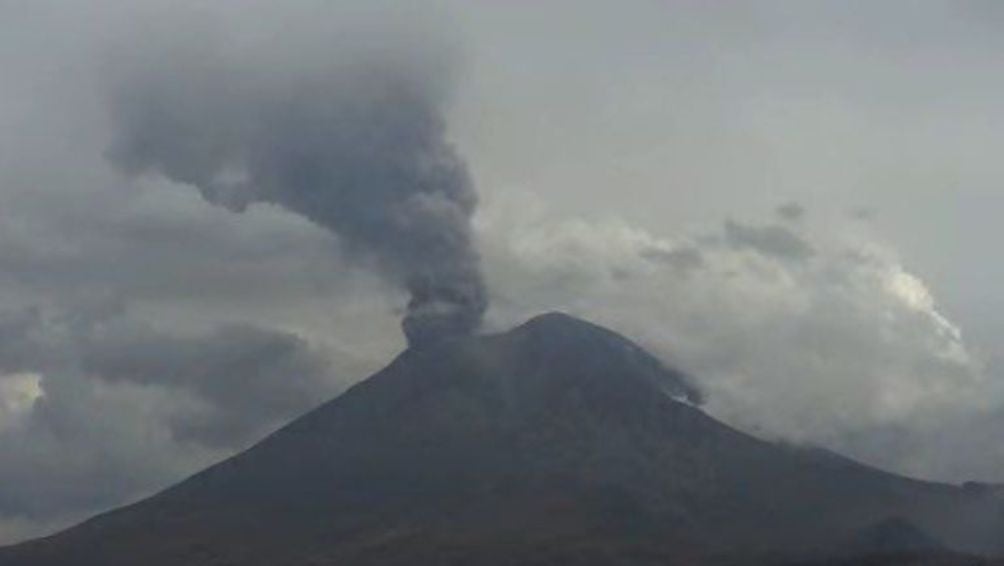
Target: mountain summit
{"x":558,"y":442}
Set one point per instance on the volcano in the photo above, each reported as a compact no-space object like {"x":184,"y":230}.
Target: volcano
{"x":558,"y":442}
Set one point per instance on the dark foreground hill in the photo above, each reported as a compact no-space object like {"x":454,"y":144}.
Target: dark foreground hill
{"x":558,"y":442}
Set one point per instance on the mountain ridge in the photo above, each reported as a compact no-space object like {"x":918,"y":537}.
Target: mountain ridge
{"x":556,"y":442}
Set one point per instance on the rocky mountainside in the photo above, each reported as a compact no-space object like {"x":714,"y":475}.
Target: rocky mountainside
{"x":558,"y":442}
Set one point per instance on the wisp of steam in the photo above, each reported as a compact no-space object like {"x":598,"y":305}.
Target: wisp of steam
{"x":356,"y":146}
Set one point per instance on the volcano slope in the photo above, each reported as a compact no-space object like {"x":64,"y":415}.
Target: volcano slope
{"x":558,"y":442}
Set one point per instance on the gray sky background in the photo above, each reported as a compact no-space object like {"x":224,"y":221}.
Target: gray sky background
{"x":795,"y":201}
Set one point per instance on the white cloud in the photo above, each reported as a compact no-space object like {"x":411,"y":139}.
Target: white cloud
{"x":810,"y":348}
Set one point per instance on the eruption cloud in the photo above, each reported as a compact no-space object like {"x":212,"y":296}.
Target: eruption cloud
{"x":357,"y":146}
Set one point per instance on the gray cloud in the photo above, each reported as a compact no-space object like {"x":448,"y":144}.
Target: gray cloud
{"x":683,"y":259}
{"x":250,"y":378}
{"x":112,"y":408}
{"x":22,"y":347}
{"x":355,"y":143}
{"x":771,"y":240}
{"x":791,"y":211}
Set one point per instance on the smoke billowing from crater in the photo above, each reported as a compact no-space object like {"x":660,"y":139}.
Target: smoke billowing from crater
{"x":356,"y":143}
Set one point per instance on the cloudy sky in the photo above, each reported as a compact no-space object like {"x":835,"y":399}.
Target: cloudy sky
{"x":796,"y":202}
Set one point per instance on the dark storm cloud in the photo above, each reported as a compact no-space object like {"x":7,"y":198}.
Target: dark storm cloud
{"x":123,"y":407}
{"x":356,"y":144}
{"x":250,"y":377}
{"x":770,"y":240}
{"x":245,"y":378}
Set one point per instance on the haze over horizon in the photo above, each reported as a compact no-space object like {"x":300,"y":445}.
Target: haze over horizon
{"x":794,"y":203}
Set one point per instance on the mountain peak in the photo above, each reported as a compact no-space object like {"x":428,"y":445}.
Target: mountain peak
{"x":558,"y":328}
{"x":550,"y":351}
{"x":559,"y":340}
{"x":556,"y":319}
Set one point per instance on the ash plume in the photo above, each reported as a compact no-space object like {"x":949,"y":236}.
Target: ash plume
{"x":355,"y":142}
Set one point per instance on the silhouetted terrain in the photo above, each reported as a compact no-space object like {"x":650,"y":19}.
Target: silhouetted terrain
{"x":558,"y":442}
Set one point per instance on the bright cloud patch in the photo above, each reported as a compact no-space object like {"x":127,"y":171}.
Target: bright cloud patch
{"x":18,"y":393}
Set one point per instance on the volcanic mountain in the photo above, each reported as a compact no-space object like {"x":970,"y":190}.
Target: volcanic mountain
{"x":558,"y":442}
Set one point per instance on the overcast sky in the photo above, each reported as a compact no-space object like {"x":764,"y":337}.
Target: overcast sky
{"x":796,"y":202}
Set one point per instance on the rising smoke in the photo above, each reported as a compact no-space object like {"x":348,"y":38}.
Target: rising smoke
{"x":356,"y":144}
